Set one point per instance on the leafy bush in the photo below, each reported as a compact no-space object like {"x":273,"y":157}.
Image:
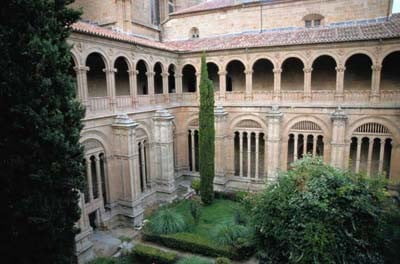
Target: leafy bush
{"x":167,"y":221}
{"x":103,"y":260}
{"x":318,"y":214}
{"x":148,"y":254}
{"x":222,"y":260}
{"x":194,"y":260}
{"x":228,"y":234}
{"x":240,"y":217}
{"x":195,"y":210}
{"x":196,"y":185}
{"x":237,"y":196}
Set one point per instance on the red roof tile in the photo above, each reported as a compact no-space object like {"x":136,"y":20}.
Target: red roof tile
{"x":344,"y":32}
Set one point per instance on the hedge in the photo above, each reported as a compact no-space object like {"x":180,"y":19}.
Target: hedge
{"x":198,"y":245}
{"x":149,"y":254}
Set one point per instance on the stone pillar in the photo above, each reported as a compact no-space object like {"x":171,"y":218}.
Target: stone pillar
{"x":164,"y":154}
{"x":99,"y":181}
{"x":198,"y":75}
{"x":222,"y":85}
{"x":220,"y":148}
{"x":193,"y":149}
{"x":133,"y":86}
{"x":150,"y":82}
{"x":307,"y":83}
{"x":369,"y":159}
{"x":375,"y":83}
{"x":241,"y":153}
{"x":277,"y":84}
{"x":248,"y":154}
{"x":257,"y":150}
{"x":295,"y":154}
{"x":358,"y":156}
{"x":339,"y":94}
{"x":81,"y":82}
{"x":338,"y":144}
{"x":165,"y":86}
{"x":249,"y":85}
{"x":89,"y":178}
{"x":381,"y":154}
{"x":178,"y":85}
{"x":110,"y":77}
{"x":144,"y":172}
{"x":315,"y":139}
{"x":127,"y":163}
{"x":274,"y":117}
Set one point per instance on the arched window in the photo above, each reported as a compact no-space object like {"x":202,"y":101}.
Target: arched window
{"x":194,"y":33}
{"x":171,"y":6}
{"x":158,"y":81}
{"x":313,"y":20}
{"x":141,"y":78}
{"x":155,"y":12}
{"x":171,"y":79}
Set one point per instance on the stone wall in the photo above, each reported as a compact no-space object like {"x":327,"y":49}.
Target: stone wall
{"x":291,"y":14}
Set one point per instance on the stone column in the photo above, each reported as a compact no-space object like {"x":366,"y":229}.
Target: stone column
{"x":165,"y":86}
{"x":274,"y":117}
{"x":222,"y":85}
{"x":198,"y":75}
{"x":220,"y":148}
{"x":358,"y":156}
{"x":127,"y":166}
{"x":315,"y":139}
{"x":338,"y":144}
{"x":381,"y":154}
{"x":143,"y":166}
{"x":305,"y":139}
{"x":164,"y":150}
{"x":248,"y":154}
{"x":150,"y":82}
{"x":339,"y":94}
{"x":241,"y":153}
{"x":89,"y":178}
{"x":249,"y":84}
{"x":277,"y":84}
{"x":99,"y":181}
{"x":375,"y":83}
{"x":178,"y":85}
{"x":307,"y":83}
{"x":110,"y":77}
{"x":295,"y":154}
{"x":133,"y":86}
{"x":256,"y":169}
{"x":369,"y":159}
{"x":82,"y":87}
{"x":193,"y":149}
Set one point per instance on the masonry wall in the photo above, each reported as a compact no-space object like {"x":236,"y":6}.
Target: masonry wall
{"x":101,"y":11}
{"x":283,"y":15}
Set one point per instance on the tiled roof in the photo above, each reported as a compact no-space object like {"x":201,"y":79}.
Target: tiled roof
{"x":344,"y":32}
{"x":216,"y":4}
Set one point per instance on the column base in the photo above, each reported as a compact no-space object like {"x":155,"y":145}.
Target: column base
{"x":248,"y":97}
{"x":339,"y":97}
{"x":374,"y":97}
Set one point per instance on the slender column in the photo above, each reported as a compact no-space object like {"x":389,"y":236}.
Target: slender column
{"x":339,"y":95}
{"x":307,"y":83}
{"x":381,"y":154}
{"x":82,"y":86}
{"x":375,"y":84}
{"x":89,"y":178}
{"x":305,"y":138}
{"x":110,"y":77}
{"x":133,"y":86}
{"x":143,"y":164}
{"x":165,"y":86}
{"x":314,"y":151}
{"x":358,"y":156}
{"x":369,"y":160}
{"x":178,"y":85}
{"x":98,"y":174}
{"x":277,"y":84}
{"x":249,"y":84}
{"x":150,"y":83}
{"x":248,"y":154}
{"x":241,"y":153}
{"x":198,"y":75}
{"x":257,"y":156}
{"x":296,"y":136}
{"x":222,"y":84}
{"x":192,"y":131}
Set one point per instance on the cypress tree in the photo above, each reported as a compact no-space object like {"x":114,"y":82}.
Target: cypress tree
{"x":40,"y":154}
{"x":206,"y":135}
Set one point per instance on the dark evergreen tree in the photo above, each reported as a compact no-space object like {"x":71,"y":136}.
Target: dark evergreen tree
{"x":40,"y":153}
{"x":206,"y":135}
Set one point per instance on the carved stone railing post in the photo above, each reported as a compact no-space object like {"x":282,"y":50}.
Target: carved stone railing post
{"x":178,"y":83}
{"x":338,"y":144}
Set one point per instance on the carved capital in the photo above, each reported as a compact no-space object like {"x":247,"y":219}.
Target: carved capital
{"x":308,"y":70}
{"x":340,"y":69}
{"x":277,"y":71}
{"x":248,"y":72}
{"x":110,"y":70}
{"x":222,"y":72}
{"x":376,"y":68}
{"x":150,"y":74}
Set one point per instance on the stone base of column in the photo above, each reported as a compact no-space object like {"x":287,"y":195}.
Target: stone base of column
{"x":374,"y":97}
{"x":277,"y":97}
{"x":307,"y":97}
{"x":339,"y":97}
{"x":248,"y":97}
{"x":84,"y":246}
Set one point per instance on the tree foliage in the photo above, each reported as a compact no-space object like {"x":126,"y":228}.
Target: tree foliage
{"x":167,"y":221}
{"x":206,"y":135}
{"x":40,"y":153}
{"x":318,"y":214}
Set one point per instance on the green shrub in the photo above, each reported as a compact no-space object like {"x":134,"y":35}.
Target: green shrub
{"x":196,"y":186}
{"x":228,"y":234}
{"x":193,"y":243}
{"x":222,"y":260}
{"x":166,"y":221}
{"x":193,"y":260}
{"x":195,"y":210}
{"x":148,"y":254}
{"x":315,"y":213}
{"x":103,"y":260}
{"x":240,"y":217}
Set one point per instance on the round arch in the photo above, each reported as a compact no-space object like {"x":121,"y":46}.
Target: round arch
{"x":225,"y":65}
{"x":125,"y":58}
{"x":379,"y":120}
{"x":359,"y":52}
{"x":321,"y":123}
{"x":100,"y":52}
{"x":386,"y":53}
{"x":263,"y":57}
{"x":235,"y":121}
{"x":290,"y":56}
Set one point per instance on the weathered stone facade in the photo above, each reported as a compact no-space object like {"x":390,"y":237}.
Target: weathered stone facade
{"x":336,"y":99}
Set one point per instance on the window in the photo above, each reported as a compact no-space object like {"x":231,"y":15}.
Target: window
{"x":171,"y":6}
{"x":313,"y":20}
{"x":194,"y":33}
{"x":155,"y":12}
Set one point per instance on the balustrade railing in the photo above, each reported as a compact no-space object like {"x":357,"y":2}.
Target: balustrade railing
{"x":99,"y":104}
{"x":390,"y":96}
{"x":263,"y":95}
{"x":356,"y":95}
{"x":323,"y":96}
{"x":124,"y":102}
{"x":235,"y":96}
{"x":292,"y":96}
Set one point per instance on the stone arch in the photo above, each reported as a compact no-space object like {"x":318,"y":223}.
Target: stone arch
{"x":323,"y":76}
{"x":325,"y":53}
{"x":96,"y":135}
{"x":122,"y":82}
{"x":389,"y":124}
{"x":243,"y":117}
{"x":291,"y":55}
{"x":263,"y":75}
{"x":213,"y":70}
{"x":142,"y":68}
{"x":348,"y":55}
{"x":321,"y":123}
{"x":390,"y":78}
{"x":292,"y":76}
{"x":144,"y":60}
{"x":235,"y":75}
{"x":75,"y":58}
{"x":143,"y":126}
{"x":187,"y":64}
{"x":172,"y":70}
{"x":96,"y":77}
{"x":261,"y":57}
{"x":124,"y":56}
{"x":99,"y":51}
{"x":225,"y":65}
{"x":358,"y":74}
{"x":189,"y":78}
{"x":386,"y":53}
{"x":159,"y":70}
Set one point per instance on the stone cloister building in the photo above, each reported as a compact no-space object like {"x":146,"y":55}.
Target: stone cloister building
{"x":291,"y":78}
